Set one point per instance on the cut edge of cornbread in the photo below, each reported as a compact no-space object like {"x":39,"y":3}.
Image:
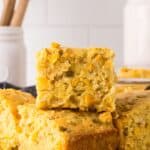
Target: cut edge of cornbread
{"x":133,"y":122}
{"x":9,"y":118}
{"x":77,"y":78}
{"x":66,"y":130}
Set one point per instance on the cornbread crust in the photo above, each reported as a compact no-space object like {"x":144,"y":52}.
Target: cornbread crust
{"x":9,"y":100}
{"x":133,"y":123}
{"x":65,"y":130}
{"x":75,"y":78}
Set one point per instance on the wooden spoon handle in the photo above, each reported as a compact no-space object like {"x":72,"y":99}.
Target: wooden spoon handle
{"x":7,"y":12}
{"x":19,"y":13}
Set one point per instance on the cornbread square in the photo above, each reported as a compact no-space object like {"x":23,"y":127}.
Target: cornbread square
{"x":66,"y":130}
{"x":77,"y":78}
{"x":9,"y":117}
{"x":133,"y":123}
{"x":125,"y":72}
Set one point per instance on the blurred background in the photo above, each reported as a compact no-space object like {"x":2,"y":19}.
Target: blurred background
{"x":77,"y":23}
{"x":74,"y":23}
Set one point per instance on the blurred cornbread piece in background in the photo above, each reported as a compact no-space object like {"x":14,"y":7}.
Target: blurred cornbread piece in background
{"x":75,"y":78}
{"x":125,"y":88}
{"x":134,"y":73}
{"x":66,"y":130}
{"x":133,"y":123}
{"x":9,"y":101}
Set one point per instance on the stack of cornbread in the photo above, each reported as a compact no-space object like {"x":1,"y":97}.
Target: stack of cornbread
{"x":75,"y":108}
{"x":76,"y":89}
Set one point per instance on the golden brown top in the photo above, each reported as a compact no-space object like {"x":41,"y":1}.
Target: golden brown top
{"x":132,"y":100}
{"x":57,"y":51}
{"x":134,"y":73}
{"x":12,"y":98}
{"x":57,"y":55}
{"x":15,"y":96}
{"x":68,"y":121}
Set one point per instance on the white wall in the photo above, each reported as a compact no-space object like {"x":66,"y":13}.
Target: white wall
{"x":75,"y":23}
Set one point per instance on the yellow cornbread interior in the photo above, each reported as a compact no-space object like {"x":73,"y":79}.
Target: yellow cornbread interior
{"x":75,"y":78}
{"x":65,"y":130}
{"x":9,"y":100}
{"x":134,"y":120}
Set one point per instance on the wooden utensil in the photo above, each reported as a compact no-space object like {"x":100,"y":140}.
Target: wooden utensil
{"x":19,"y":13}
{"x":7,"y":12}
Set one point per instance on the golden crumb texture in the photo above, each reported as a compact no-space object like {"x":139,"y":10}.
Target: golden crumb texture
{"x":133,"y":123}
{"x":66,"y":130}
{"x":9,"y":118}
{"x":76,"y":78}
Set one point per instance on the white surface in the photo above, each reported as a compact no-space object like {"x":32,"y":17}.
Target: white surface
{"x":37,"y":13}
{"x":74,"y":23}
{"x":100,"y":12}
{"x":138,"y":2}
{"x":3,"y":73}
{"x":137,"y":35}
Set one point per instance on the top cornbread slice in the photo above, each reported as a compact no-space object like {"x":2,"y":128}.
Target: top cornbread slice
{"x":75,"y":78}
{"x":9,"y":118}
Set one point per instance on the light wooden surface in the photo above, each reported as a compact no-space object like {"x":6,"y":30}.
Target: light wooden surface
{"x":7,"y":12}
{"x":19,"y":13}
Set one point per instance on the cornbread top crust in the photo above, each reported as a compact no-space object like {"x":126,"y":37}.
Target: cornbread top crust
{"x":15,"y":96}
{"x":75,"y":78}
{"x":69,"y":121}
{"x":133,"y":120}
{"x":132,"y":100}
{"x":12,"y":98}
{"x":66,"y":129}
{"x":134,"y":73}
